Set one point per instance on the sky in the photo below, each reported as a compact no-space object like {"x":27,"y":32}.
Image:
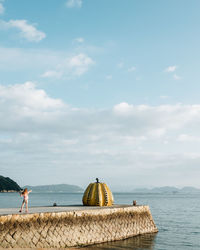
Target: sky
{"x":107,"y":89}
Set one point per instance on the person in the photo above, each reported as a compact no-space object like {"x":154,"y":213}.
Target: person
{"x":24,"y":194}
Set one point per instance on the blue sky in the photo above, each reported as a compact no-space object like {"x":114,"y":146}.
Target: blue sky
{"x":100,"y":86}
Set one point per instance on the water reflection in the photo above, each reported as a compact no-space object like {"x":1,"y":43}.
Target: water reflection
{"x":141,"y":242}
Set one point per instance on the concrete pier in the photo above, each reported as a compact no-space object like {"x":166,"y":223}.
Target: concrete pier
{"x":70,"y":226}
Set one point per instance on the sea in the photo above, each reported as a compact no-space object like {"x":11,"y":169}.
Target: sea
{"x":177,"y":216}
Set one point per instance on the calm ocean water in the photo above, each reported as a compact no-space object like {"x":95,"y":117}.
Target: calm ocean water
{"x":177,"y":217}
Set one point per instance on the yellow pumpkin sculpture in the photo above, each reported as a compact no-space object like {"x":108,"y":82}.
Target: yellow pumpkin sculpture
{"x":98,"y":194}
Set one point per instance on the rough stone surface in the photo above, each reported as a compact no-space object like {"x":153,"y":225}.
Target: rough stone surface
{"x":74,"y":228}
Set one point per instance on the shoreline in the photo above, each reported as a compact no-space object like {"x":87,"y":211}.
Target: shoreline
{"x":9,"y":191}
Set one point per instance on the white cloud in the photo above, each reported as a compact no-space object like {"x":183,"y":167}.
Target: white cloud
{"x":48,"y":134}
{"x":72,"y":66}
{"x":176,"y":77}
{"x":123,"y":108}
{"x":44,"y":63}
{"x":52,"y":74}
{"x":79,"y":40}
{"x":131,"y":69}
{"x":171,"y":69}
{"x":27,"y":31}
{"x":109,"y":77}
{"x":120,"y":65}
{"x":160,"y":119}
{"x":188,"y":138}
{"x":128,"y":119}
{"x":27,"y":97}
{"x":74,"y":3}
{"x":2,"y":9}
{"x":164,"y":97}
{"x":37,"y":60}
{"x":138,"y":78}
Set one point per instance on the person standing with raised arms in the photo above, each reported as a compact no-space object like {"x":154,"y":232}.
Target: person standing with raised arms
{"x":24,"y":194}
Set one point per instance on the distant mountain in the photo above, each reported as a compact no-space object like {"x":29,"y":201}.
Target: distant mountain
{"x":190,"y":190}
{"x":65,"y":188}
{"x":167,"y":190}
{"x":8,"y":185}
{"x":141,"y":190}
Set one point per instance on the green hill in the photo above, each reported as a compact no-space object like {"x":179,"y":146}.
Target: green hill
{"x":65,"y":188}
{"x":8,"y":185}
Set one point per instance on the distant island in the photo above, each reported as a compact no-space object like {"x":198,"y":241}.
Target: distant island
{"x":8,"y":185}
{"x":167,"y":190}
{"x":64,"y":188}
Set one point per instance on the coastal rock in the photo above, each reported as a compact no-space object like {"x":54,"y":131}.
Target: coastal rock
{"x":8,"y":185}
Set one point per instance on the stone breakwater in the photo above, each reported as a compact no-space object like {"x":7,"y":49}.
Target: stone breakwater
{"x":74,"y":228}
